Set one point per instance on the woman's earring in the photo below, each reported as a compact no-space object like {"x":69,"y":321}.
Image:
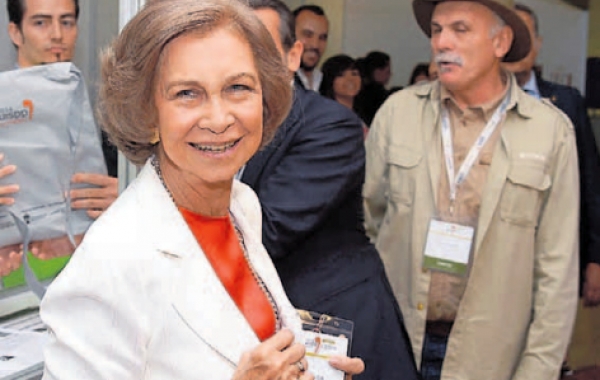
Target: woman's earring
{"x":156,"y":138}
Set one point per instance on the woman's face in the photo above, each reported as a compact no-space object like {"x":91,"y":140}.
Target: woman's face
{"x":209,"y":103}
{"x":348,"y":84}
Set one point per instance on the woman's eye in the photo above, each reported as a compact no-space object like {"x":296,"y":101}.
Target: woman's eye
{"x":186,"y":94}
{"x":240,"y":87}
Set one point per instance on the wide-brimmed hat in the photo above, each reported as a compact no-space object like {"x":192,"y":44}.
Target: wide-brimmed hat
{"x":521,"y":45}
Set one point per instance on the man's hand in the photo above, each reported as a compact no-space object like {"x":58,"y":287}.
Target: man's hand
{"x":591,"y":286}
{"x":52,"y":248}
{"x":10,"y":259}
{"x":95,"y":199}
{"x":351,"y":366}
{"x":8,"y":189}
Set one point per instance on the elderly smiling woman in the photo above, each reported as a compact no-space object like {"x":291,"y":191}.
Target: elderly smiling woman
{"x":172,"y":282}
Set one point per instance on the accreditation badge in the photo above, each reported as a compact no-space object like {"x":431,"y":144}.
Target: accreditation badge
{"x":448,"y":247}
{"x":325,"y":336}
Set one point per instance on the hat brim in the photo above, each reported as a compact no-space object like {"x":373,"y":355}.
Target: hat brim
{"x":521,"y":45}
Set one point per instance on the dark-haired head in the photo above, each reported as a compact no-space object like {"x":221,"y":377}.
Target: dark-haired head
{"x":377,"y":64}
{"x":16,"y":10}
{"x":332,"y":68}
{"x":419,"y":73}
{"x":310,"y":8}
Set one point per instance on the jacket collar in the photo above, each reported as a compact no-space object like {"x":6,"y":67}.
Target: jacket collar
{"x":520,"y":102}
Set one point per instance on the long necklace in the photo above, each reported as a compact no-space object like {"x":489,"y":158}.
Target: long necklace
{"x":257,"y":278}
{"x":240,"y":237}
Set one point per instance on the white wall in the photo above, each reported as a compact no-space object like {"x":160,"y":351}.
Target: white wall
{"x":389,"y":25}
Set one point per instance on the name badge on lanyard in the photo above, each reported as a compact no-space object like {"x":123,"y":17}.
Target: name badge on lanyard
{"x":448,"y":245}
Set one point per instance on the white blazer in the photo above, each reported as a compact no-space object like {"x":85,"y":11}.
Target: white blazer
{"x":139,"y":300}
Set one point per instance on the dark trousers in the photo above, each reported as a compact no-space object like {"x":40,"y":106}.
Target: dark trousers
{"x":434,"y":351}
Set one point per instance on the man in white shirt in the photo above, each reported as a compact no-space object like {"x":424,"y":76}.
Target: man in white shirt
{"x":45,"y":31}
{"x":312,"y":29}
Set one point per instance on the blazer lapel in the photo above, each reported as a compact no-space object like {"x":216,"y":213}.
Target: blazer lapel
{"x":204,"y":305}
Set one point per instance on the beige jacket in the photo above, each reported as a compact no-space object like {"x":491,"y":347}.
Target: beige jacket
{"x":517,"y":313}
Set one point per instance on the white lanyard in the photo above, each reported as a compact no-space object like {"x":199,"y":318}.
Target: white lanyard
{"x":455,"y":181}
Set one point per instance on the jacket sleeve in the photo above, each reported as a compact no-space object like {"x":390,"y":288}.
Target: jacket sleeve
{"x":555,"y":266}
{"x":95,"y":330}
{"x":589,"y":166}
{"x":376,"y":177}
{"x":325,"y":163}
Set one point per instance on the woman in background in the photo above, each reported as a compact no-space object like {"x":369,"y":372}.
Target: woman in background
{"x":172,"y":281}
{"x":419,"y":74}
{"x":341,"y":80}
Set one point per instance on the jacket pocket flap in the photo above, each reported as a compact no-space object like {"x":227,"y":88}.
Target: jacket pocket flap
{"x":403,"y":156}
{"x":529,"y":176}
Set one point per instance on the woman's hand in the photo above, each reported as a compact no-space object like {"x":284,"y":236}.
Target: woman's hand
{"x":276,"y":358}
{"x":8,"y":189}
{"x":351,"y":366}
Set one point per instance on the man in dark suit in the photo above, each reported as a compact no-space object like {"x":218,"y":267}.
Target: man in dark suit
{"x":309,"y":182}
{"x":569,"y":100}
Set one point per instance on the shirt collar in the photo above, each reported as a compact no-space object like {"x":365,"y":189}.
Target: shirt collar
{"x":486,"y":109}
{"x":531,"y":87}
{"x":317,"y":78}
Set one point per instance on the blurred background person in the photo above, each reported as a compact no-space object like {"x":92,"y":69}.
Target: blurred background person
{"x":175,"y":272}
{"x":341,"y":80}
{"x":419,"y":74}
{"x":312,"y":29}
{"x":45,"y":31}
{"x":377,"y":74}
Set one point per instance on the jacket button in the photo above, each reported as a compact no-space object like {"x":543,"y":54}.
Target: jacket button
{"x":420,"y":306}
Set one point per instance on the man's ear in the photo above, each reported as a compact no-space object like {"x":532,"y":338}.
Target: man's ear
{"x":503,"y":41}
{"x":15,"y":34}
{"x":294,"y":55}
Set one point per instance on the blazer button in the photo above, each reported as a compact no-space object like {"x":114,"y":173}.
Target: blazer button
{"x":420,"y":306}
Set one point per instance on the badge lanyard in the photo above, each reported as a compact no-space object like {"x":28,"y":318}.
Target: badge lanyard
{"x":455,"y":181}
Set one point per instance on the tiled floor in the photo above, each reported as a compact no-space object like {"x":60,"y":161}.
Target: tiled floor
{"x":585,"y":345}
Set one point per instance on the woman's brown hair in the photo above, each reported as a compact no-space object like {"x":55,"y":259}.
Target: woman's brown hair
{"x":126,"y":108}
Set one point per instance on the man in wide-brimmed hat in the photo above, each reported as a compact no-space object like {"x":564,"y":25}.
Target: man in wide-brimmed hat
{"x":482,"y":261}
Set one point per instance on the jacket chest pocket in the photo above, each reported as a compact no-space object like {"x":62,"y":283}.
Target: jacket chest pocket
{"x":523,"y":194}
{"x":402,"y":163}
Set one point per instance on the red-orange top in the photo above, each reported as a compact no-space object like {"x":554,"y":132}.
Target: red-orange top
{"x":219,"y":241}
